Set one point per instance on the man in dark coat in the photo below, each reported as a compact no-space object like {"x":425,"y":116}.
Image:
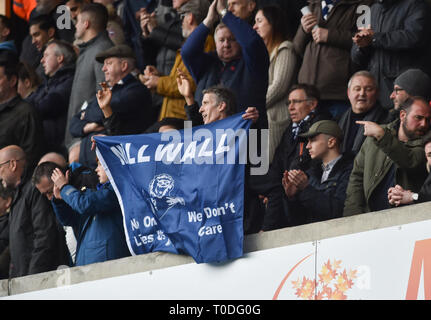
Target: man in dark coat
{"x":395,"y":42}
{"x":160,"y":43}
{"x":132,"y":12}
{"x":51,"y":99}
{"x":324,"y":40}
{"x":319,"y":193}
{"x":19,"y":122}
{"x":362,"y":92}
{"x":36,"y":242}
{"x":6,"y":196}
{"x":290,"y":154}
{"x":42,"y":30}
{"x":241,"y":62}
{"x":127,"y":99}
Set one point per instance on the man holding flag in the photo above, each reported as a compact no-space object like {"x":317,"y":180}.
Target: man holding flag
{"x":183,"y":191}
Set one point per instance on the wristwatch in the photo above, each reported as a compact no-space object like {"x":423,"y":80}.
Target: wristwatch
{"x":415,"y":196}
{"x":223,"y":12}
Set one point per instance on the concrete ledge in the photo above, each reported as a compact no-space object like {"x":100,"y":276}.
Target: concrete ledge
{"x":338,"y":227}
{"x":96,"y":271}
{"x":261,"y":241}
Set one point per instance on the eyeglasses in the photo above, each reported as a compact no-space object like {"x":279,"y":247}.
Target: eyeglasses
{"x":294,"y":101}
{"x":2,"y":164}
{"x":398,"y":89}
{"x":183,"y":15}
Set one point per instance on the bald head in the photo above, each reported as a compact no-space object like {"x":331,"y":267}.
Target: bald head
{"x":12,"y":152}
{"x":55,"y":157}
{"x":12,"y":165}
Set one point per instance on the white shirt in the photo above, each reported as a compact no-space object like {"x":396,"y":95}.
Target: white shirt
{"x":328,"y":168}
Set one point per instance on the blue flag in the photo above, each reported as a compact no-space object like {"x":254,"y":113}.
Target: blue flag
{"x":181,"y":191}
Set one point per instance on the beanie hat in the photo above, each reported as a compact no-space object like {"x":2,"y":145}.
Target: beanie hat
{"x":415,"y":82}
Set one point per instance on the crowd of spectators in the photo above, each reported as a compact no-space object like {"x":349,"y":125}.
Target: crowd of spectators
{"x":346,"y":105}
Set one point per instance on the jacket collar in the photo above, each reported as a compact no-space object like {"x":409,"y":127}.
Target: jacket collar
{"x":344,"y":161}
{"x":84,"y":45}
{"x":12,"y":102}
{"x":125,"y":81}
{"x":62,"y":71}
{"x":285,"y":44}
{"x":25,"y":178}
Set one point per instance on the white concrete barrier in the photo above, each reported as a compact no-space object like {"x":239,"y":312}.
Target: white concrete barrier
{"x":257,"y":246}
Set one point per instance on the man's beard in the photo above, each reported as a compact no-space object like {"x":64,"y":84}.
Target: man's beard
{"x":8,"y":184}
{"x":411,"y":135}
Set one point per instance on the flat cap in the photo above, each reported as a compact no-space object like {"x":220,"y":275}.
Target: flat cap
{"x":119,"y":51}
{"x":199,"y":8}
{"x":328,"y":127}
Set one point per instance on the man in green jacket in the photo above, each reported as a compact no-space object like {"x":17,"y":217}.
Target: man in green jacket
{"x":391,"y":154}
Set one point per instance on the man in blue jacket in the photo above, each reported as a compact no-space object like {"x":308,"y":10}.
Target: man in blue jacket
{"x":95,"y":216}
{"x":240,"y":62}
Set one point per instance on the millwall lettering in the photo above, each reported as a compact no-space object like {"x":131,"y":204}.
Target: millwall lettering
{"x":202,"y":148}
{"x":173,"y":153}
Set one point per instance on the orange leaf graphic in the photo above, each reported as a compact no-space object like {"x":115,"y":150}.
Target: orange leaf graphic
{"x":338,"y":295}
{"x":332,"y":283}
{"x":336,"y":264}
{"x":352,"y":274}
{"x":326,"y":278}
{"x":298,"y":292}
{"x":307,"y":289}
{"x":341,"y":284}
{"x":296,"y":284}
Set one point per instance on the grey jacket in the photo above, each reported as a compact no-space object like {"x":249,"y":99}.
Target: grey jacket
{"x":88,"y":75}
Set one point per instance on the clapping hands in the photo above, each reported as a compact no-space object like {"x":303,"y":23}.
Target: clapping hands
{"x":294,"y":181}
{"x":364,"y":37}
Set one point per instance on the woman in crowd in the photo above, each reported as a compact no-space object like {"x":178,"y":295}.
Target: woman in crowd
{"x":270,"y":24}
{"x":28,"y":81}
